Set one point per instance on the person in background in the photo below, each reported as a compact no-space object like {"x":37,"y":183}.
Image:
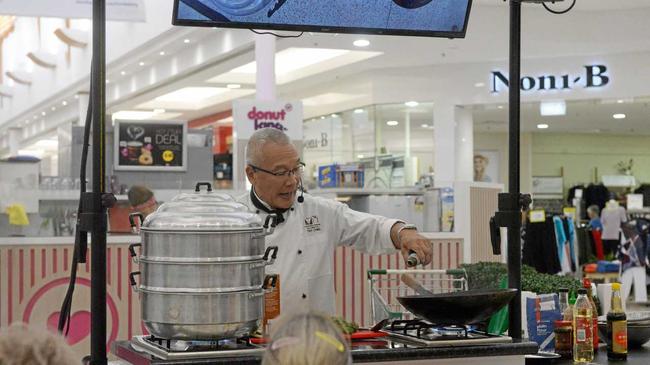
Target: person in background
{"x":21,"y":345}
{"x":142,"y":200}
{"x":307,"y":339}
{"x":593,"y":212}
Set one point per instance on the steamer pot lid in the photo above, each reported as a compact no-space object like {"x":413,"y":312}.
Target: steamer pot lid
{"x":203,"y":222}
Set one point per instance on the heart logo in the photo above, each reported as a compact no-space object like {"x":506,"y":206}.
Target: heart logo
{"x":134,"y":132}
{"x":79,"y":326}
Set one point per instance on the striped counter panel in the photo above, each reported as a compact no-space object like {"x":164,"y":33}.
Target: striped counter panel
{"x":34,"y":280}
{"x":351,"y":284}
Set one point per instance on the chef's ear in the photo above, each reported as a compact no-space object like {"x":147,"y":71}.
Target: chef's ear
{"x":250,"y":173}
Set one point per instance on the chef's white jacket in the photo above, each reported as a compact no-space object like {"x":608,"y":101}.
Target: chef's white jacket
{"x":306,"y":243}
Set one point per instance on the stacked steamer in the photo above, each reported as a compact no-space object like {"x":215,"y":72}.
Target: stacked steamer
{"x":202,"y":263}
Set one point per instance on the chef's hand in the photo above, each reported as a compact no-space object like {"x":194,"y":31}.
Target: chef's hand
{"x":412,"y":241}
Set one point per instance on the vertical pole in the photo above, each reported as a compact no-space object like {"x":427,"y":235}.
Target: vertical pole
{"x":98,"y":248}
{"x":514,"y":235}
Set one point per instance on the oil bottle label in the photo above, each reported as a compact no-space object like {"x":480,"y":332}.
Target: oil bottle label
{"x":619,"y":334}
{"x":583,"y":330}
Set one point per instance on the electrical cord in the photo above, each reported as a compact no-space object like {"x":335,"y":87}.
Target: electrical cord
{"x":559,"y":12}
{"x":81,"y":238}
{"x":278,"y":35}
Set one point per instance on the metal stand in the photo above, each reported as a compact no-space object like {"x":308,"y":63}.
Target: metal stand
{"x":512,"y":203}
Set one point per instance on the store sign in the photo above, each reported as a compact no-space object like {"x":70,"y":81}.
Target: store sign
{"x":591,"y":77}
{"x":150,"y":146}
{"x":124,"y":10}
{"x":251,"y":115}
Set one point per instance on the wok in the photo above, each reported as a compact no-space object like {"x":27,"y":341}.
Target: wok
{"x":459,"y":308}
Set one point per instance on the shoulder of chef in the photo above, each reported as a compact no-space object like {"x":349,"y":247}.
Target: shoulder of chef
{"x":310,"y":201}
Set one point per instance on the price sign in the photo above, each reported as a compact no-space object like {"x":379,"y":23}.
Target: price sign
{"x":150,"y":146}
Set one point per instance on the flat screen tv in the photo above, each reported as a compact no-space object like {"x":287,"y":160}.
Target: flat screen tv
{"x":431,"y":18}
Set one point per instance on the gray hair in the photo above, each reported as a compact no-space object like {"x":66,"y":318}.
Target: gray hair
{"x":306,"y":339}
{"x":259,"y":139}
{"x":594,"y":209}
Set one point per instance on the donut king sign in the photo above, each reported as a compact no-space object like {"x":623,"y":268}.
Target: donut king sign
{"x":251,"y":115}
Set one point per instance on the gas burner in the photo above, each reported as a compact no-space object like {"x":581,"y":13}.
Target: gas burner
{"x":426,"y":334}
{"x":166,"y":349}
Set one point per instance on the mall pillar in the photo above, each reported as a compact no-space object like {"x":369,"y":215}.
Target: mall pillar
{"x":265,"y":60}
{"x":453,"y":143}
{"x":15,"y":136}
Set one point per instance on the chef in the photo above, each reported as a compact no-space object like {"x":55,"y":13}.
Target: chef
{"x":310,"y":228}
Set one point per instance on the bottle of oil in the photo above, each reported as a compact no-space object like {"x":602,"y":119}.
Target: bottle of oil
{"x":586,"y":283}
{"x":583,"y":345}
{"x":616,"y":327}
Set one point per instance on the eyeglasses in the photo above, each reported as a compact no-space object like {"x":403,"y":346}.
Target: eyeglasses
{"x":297,"y":171}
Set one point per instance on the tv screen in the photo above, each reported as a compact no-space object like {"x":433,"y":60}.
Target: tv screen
{"x":432,"y":18}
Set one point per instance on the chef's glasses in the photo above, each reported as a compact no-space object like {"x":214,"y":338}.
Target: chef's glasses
{"x":297,"y":171}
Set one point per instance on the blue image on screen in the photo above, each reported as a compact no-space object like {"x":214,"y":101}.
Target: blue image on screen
{"x":445,"y":17}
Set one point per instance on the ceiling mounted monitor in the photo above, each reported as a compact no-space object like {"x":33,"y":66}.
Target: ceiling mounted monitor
{"x":430,"y":18}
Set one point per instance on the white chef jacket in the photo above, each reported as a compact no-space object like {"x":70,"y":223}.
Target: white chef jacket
{"x":306,"y":243}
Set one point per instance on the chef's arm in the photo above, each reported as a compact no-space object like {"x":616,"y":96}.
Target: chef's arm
{"x":406,"y":240}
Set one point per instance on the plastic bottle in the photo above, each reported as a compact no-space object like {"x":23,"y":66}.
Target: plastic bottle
{"x":564,"y":299}
{"x":616,"y":327}
{"x":586,"y":283}
{"x":583,"y":346}
{"x":568,"y":313}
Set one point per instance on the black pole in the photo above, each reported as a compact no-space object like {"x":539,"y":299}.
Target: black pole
{"x":514,"y":189}
{"x":98,"y":211}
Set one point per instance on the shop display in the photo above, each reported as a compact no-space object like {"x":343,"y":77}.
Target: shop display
{"x":443,"y":18}
{"x":150,"y":146}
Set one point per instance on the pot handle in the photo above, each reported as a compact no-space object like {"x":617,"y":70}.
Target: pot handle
{"x":134,"y":226}
{"x":134,"y":285}
{"x":269,"y":225}
{"x":134,"y":255}
{"x":270,"y":249}
{"x":197,"y":188}
{"x":270,"y":281}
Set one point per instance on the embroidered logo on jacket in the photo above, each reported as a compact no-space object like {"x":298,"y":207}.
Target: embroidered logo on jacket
{"x":312,"y":224}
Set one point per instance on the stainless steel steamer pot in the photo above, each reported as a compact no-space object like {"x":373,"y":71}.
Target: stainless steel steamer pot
{"x":202,"y":274}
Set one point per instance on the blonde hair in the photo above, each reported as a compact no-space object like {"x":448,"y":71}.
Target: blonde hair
{"x":307,"y":339}
{"x":21,"y":345}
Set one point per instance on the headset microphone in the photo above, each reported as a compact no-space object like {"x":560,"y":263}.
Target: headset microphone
{"x":301,"y":198}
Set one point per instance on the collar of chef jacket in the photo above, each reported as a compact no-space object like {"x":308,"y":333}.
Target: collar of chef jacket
{"x":261,"y":205}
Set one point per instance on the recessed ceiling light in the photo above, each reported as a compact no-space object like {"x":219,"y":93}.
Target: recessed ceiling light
{"x":43,"y":113}
{"x":64,"y":103}
{"x":108,"y":81}
{"x":620,"y":101}
{"x":411,"y":104}
{"x":141,"y":63}
{"x":334,"y":115}
{"x":619,"y":116}
{"x":360,"y":156}
{"x":123,"y":73}
{"x":35,"y":117}
{"x":361,"y":43}
{"x":162,"y":53}
{"x":479,"y":84}
{"x":392,"y":123}
{"x":323,"y":117}
{"x":76,"y":96}
{"x":551,"y":108}
{"x":358,"y":111}
{"x":500,"y":107}
{"x":542,"y":126}
{"x":186,"y":41}
{"x":53,"y":108}
{"x":233,"y":86}
{"x":425,"y":126}
{"x":158,"y":111}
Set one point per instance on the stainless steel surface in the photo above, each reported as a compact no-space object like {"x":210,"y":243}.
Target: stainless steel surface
{"x":140,"y":343}
{"x":202,"y":222}
{"x":202,"y":207}
{"x":439,"y":342}
{"x":202,"y":197}
{"x":182,"y":245}
{"x":233,"y":276}
{"x":194,"y":316}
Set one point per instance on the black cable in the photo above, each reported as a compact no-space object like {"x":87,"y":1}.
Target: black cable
{"x":278,"y":35}
{"x":81,"y":239}
{"x":560,"y":12}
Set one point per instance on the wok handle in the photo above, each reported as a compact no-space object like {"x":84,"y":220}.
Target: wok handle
{"x":410,"y":281}
{"x":197,"y":188}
